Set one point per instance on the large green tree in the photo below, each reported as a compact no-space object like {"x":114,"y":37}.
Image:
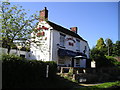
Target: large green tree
{"x":100,"y":44}
{"x":98,"y":53}
{"x":109,"y":46}
{"x":15,"y":24}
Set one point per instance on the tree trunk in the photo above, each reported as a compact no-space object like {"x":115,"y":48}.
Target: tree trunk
{"x":9,"y":48}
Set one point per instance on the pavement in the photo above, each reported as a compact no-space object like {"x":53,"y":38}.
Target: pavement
{"x":90,"y":84}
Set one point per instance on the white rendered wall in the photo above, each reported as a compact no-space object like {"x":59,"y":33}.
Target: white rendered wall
{"x":55,"y":39}
{"x":41,"y":52}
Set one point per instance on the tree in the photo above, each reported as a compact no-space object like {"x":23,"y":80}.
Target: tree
{"x":109,"y":45}
{"x":98,"y":54}
{"x":116,"y":48}
{"x":100,"y":44}
{"x":15,"y":24}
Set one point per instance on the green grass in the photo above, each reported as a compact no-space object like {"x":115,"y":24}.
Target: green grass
{"x":104,"y":85}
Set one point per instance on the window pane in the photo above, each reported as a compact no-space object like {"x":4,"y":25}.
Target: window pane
{"x":62,"y":40}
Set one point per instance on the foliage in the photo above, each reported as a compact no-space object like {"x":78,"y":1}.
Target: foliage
{"x":108,"y":84}
{"x":100,"y":44}
{"x":15,"y":24}
{"x":116,"y":49}
{"x":70,"y":72}
{"x":109,"y":46}
{"x":101,"y":50}
{"x":95,"y":53}
{"x":17,"y":70}
{"x":113,"y":60}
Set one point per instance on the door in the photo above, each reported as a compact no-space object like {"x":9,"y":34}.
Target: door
{"x":72,"y":63}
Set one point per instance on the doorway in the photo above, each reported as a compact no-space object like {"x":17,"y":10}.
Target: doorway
{"x":72,"y":63}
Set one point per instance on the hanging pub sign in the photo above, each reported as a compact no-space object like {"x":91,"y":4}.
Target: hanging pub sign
{"x":67,"y":39}
{"x":70,"y":43}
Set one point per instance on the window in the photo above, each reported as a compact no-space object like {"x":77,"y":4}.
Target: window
{"x":61,"y":60}
{"x":77,"y":44}
{"x":62,"y":40}
{"x":85,"y":49}
{"x":21,"y":55}
{"x":77,"y":62}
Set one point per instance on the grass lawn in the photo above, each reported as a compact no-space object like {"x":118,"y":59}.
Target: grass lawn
{"x":104,"y":85}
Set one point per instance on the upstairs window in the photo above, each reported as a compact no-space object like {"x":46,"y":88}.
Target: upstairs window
{"x":78,"y":44}
{"x":85,"y":49}
{"x":62,"y":40}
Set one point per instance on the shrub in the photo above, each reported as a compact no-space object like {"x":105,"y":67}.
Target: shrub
{"x":113,"y":60}
{"x":18,"y":71}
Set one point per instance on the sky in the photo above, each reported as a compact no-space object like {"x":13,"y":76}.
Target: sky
{"x":93,"y":19}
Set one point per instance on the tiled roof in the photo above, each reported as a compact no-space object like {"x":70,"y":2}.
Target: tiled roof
{"x":64,"y":30}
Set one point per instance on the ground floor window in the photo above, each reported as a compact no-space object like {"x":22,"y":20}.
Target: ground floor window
{"x":61,"y":60}
{"x":21,"y":55}
{"x":77,"y":62}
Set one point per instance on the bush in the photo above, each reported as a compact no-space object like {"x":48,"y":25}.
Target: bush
{"x":113,"y":60}
{"x":18,"y":71}
{"x":106,"y":61}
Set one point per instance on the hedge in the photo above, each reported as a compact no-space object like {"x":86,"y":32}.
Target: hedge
{"x":17,"y":70}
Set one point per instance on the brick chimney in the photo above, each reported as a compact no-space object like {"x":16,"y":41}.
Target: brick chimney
{"x":44,"y":14}
{"x":73,"y":29}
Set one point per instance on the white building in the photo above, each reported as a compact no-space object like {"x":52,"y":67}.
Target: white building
{"x":52,"y":42}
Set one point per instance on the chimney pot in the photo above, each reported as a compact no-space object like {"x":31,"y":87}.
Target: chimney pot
{"x":44,"y":14}
{"x":73,"y":29}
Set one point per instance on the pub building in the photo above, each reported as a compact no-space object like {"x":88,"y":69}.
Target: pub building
{"x":52,"y":42}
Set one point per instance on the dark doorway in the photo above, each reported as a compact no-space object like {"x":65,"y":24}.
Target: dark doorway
{"x":88,"y":63}
{"x":72,"y":63}
{"x":21,"y":55}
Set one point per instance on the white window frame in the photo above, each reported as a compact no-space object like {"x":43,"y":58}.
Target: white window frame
{"x":78,"y":44}
{"x":62,"y":40}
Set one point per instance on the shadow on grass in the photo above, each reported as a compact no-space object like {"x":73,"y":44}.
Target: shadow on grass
{"x":56,"y":82}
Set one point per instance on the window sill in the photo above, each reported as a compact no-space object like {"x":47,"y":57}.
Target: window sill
{"x":62,"y":46}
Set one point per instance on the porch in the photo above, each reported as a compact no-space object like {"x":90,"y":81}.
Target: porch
{"x":77,"y":70}
{"x":70,"y":59}
{"x":74,"y":70}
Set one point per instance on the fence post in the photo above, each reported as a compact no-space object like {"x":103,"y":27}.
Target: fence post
{"x":61,"y":70}
{"x":47,"y":71}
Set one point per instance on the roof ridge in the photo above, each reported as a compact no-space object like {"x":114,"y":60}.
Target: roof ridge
{"x":59,"y":25}
{"x":64,"y":30}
